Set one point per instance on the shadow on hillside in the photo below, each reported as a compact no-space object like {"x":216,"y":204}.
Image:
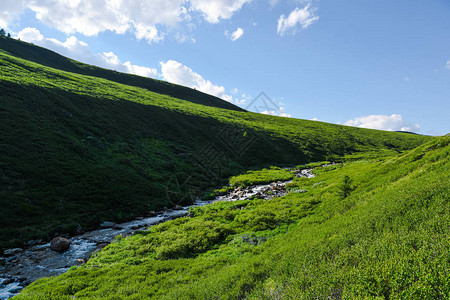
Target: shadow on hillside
{"x":69,"y":159}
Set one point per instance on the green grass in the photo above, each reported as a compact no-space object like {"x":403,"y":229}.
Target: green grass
{"x":389,"y":239}
{"x":91,"y":145}
{"x":261,"y":177}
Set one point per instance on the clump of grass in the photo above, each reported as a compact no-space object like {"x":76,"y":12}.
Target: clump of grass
{"x":345,"y":187}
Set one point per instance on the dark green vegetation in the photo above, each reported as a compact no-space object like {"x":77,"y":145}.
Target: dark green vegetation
{"x":90,"y":145}
{"x":346,"y":187}
{"x":388,"y":239}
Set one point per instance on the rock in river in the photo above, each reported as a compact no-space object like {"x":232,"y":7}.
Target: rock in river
{"x":59,"y":244}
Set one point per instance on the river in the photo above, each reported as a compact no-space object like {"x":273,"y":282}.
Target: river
{"x":23,"y":266}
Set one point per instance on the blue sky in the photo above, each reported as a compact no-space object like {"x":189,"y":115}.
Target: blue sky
{"x":377,"y":64}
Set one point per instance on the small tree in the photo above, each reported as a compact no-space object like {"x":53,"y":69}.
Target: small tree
{"x":9,"y":35}
{"x":2,"y":32}
{"x":345,"y":187}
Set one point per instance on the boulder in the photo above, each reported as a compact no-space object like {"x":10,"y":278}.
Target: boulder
{"x":60,"y":244}
{"x":152,"y":214}
{"x":178,"y":207}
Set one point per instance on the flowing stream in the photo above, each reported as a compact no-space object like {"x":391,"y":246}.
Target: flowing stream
{"x":21,"y":267}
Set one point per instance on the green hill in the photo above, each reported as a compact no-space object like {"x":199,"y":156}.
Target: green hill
{"x":387,"y":239}
{"x":51,"y":59}
{"x":81,"y":147}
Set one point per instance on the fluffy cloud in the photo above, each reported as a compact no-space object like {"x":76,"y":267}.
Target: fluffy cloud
{"x":79,"y":50}
{"x":303,"y":17}
{"x":140,"y":70}
{"x":234,"y":36}
{"x":176,"y":72}
{"x":149,"y":33}
{"x":31,"y":35}
{"x":90,"y":17}
{"x":390,"y":123}
{"x":72,"y":47}
{"x":447,"y":66}
{"x":10,"y":9}
{"x":214,"y":10}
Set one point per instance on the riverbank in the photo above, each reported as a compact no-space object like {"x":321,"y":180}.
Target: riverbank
{"x":21,"y":267}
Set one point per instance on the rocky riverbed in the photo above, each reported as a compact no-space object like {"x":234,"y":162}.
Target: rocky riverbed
{"x":20,"y":267}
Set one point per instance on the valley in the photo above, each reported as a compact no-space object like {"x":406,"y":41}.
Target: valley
{"x":164,"y":192}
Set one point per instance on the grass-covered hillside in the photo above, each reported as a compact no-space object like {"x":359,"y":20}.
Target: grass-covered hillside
{"x":78,"y":149}
{"x":51,"y":59}
{"x":387,"y":238}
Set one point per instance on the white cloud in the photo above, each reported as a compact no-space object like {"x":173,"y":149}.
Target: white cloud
{"x":79,"y":50}
{"x":176,"y":72}
{"x":72,"y":47}
{"x":111,"y":58}
{"x":214,"y":10}
{"x":9,"y":11}
{"x":303,"y":17}
{"x":90,"y":17}
{"x":140,"y":70}
{"x":237,"y":34}
{"x":31,"y":35}
{"x":181,"y":38}
{"x":149,"y":33}
{"x":447,"y":66}
{"x":390,"y":123}
{"x":145,"y":19}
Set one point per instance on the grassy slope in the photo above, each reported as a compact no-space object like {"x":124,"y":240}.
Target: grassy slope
{"x":388,"y":239}
{"x":77,"y":149}
{"x":49,"y":58}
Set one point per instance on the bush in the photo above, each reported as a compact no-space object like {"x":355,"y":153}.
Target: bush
{"x":345,"y":187}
